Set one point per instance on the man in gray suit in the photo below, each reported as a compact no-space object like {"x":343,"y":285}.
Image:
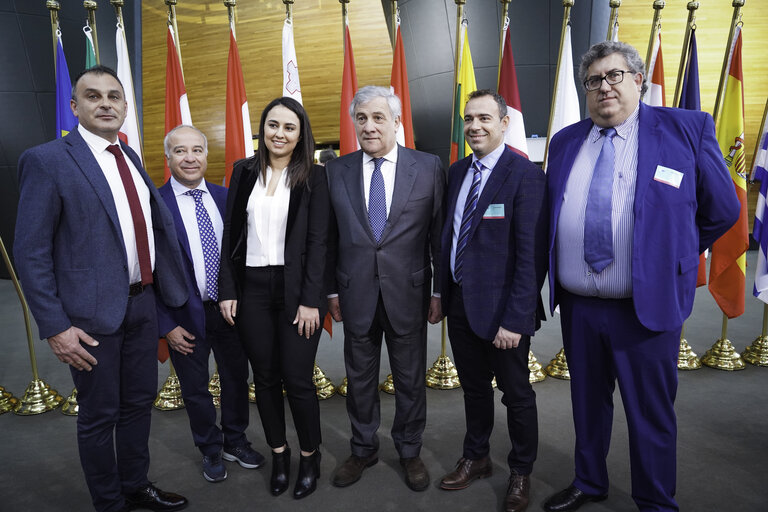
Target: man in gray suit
{"x":385,"y":239}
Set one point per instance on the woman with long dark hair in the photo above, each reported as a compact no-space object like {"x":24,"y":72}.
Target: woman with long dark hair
{"x":271,"y":281}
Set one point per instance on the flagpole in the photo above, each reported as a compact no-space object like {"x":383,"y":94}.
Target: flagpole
{"x":614,"y":18}
{"x":689,"y":26}
{"x":737,"y":5}
{"x":567,"y":4}
{"x":658,"y":5}
{"x":231,"y":4}
{"x":172,"y":21}
{"x":288,"y":9}
{"x":53,"y":6}
{"x":393,"y":23}
{"x":459,"y":21}
{"x":91,"y":6}
{"x":344,"y":21}
{"x":758,"y":141}
{"x":504,"y":26}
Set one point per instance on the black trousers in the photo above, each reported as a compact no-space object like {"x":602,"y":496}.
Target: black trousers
{"x":233,"y":373}
{"x":279,"y":357}
{"x":477,"y":362}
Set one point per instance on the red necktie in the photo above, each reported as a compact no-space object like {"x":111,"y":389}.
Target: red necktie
{"x":139,"y":224}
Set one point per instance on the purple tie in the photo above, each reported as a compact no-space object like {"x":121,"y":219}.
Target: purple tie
{"x":210,"y":245}
{"x":598,"y":234}
{"x":466,"y":220}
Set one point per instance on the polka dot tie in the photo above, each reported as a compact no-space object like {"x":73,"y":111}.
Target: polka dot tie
{"x":210,"y":245}
{"x":377,"y":201}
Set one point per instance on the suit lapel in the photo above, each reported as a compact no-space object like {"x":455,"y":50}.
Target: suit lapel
{"x":649,"y":141}
{"x":405,"y":176}
{"x":353,"y":180}
{"x":499,"y":175}
{"x":293,"y":209}
{"x":166,"y":192}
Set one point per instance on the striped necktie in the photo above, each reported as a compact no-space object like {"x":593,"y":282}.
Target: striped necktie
{"x":466,"y":220}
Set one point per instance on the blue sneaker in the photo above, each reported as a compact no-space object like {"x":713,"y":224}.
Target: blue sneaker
{"x":246,"y":456}
{"x":214,"y":469}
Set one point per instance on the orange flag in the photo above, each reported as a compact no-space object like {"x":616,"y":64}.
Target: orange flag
{"x":399,"y":84}
{"x":347,"y":136}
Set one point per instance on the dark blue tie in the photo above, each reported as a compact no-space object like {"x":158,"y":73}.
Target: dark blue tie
{"x":209,"y":242}
{"x":466,"y":220}
{"x":598,"y":234}
{"x":377,"y":200}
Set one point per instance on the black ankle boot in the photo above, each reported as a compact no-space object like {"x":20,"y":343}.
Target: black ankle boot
{"x":309,"y":472}
{"x":281,"y":467}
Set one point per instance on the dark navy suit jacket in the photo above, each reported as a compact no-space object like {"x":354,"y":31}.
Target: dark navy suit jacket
{"x":505,"y":258}
{"x":69,"y":248}
{"x":191,"y":316}
{"x":672,"y":225}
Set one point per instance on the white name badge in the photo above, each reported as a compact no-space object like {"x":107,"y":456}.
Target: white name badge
{"x":494,"y":211}
{"x":668,"y":176}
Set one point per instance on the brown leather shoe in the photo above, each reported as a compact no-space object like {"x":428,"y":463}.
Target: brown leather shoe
{"x":352,"y":469}
{"x":466,"y":471}
{"x":416,"y":474}
{"x":517,"y":493}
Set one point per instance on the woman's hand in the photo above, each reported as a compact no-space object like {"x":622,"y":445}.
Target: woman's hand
{"x":308,"y":321}
{"x":228,"y":310}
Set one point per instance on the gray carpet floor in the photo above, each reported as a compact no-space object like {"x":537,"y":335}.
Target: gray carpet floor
{"x":722,"y":441}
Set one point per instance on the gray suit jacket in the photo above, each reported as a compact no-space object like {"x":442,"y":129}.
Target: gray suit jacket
{"x":399,"y":267}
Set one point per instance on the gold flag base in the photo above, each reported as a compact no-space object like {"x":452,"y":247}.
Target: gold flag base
{"x":442,"y":374}
{"x":252,"y":392}
{"x":722,"y":356}
{"x":388,"y":386}
{"x":38,"y":398}
{"x":323,"y":385}
{"x":534,"y":367}
{"x":70,"y":407}
{"x":341,"y":389}
{"x":757,"y":352}
{"x":493,"y":383}
{"x":214,"y":388}
{"x":8,"y":402}
{"x":169,"y":398}
{"x":558,"y":367}
{"x":687,"y":358}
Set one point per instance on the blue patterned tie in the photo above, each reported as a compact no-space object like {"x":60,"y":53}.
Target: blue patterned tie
{"x":377,"y":200}
{"x":466,"y":220}
{"x":598,"y":235}
{"x":210,"y":245}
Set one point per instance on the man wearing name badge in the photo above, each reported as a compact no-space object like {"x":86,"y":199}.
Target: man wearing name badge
{"x":635,"y":193}
{"x":385,"y":238}
{"x":198,"y":327}
{"x":94,"y":244}
{"x":490,"y":281}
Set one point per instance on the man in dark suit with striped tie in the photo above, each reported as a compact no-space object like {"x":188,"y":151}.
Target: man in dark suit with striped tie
{"x":491,"y":277}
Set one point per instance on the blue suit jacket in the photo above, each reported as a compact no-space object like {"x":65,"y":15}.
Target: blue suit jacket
{"x":505,"y":258}
{"x":69,"y":248}
{"x":190,"y":316}
{"x":672,"y":225}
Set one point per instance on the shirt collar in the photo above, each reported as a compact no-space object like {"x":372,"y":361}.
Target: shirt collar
{"x":94,"y":141}
{"x":390,"y":157}
{"x":179,"y":189}
{"x":622,"y":130}
{"x":490,"y":160}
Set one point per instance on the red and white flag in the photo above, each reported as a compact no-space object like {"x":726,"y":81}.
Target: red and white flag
{"x":176,"y":103}
{"x":129,"y":132}
{"x":291,"y":84}
{"x":239,"y":137}
{"x":655,"y":94}
{"x":347,"y":137}
{"x":399,"y":85}
{"x":514,"y":137}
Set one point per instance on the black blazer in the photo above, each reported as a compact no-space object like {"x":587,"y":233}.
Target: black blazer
{"x":305,"y":239}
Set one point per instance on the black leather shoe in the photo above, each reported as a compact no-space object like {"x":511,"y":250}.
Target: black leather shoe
{"x":309,"y":472}
{"x":570,"y":498}
{"x":281,"y":467}
{"x":352,"y":469}
{"x":152,"y":498}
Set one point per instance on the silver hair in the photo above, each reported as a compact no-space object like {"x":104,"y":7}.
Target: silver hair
{"x":371,"y":92}
{"x":167,"y":140}
{"x":606,"y":48}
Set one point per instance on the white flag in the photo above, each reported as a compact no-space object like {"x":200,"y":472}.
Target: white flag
{"x":566,"y":104}
{"x":129,"y":132}
{"x":291,"y":86}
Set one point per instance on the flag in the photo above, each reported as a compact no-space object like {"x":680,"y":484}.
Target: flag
{"x":347,"y":136}
{"x":399,"y":85}
{"x":760,"y":173}
{"x":691,"y":100}
{"x":239,"y":137}
{"x":465,"y":84}
{"x":291,"y":85}
{"x":727,"y":270}
{"x":129,"y":132}
{"x":566,"y":104}
{"x":65,"y":119}
{"x":176,"y":103}
{"x":90,"y":49}
{"x":514,"y":137}
{"x":655,"y":93}
{"x":615,"y":30}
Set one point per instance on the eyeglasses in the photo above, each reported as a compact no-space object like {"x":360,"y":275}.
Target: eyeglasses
{"x":614,"y":77}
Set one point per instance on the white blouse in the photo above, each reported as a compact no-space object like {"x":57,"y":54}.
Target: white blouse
{"x":267,"y":221}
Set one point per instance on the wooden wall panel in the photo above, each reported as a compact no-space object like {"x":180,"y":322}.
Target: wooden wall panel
{"x":204,"y":35}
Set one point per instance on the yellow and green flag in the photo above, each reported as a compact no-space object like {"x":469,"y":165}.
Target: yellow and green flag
{"x":465,"y":84}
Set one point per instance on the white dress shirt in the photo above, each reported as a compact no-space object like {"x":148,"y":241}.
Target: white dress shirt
{"x":188,"y":213}
{"x":388,"y":167}
{"x":108,"y":165}
{"x":267,"y":221}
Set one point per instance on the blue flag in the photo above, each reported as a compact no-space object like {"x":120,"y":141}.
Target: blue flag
{"x":689,"y":92}
{"x":65,"y":119}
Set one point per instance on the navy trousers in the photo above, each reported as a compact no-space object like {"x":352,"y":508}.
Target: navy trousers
{"x":605,"y":342}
